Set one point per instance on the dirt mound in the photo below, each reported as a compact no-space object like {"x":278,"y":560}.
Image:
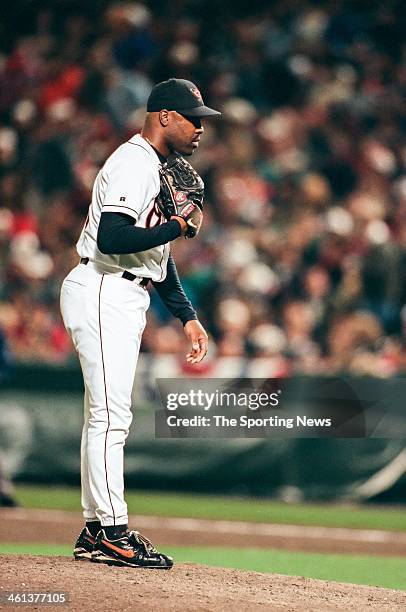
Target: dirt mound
{"x":185,"y":588}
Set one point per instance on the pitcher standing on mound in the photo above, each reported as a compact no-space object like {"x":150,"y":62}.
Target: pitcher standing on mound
{"x":124,"y":246}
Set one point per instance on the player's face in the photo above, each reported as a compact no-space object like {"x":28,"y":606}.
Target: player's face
{"x":184,"y":133}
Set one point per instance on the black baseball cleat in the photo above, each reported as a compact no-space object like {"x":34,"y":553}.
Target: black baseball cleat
{"x":84,"y":545}
{"x":132,"y":550}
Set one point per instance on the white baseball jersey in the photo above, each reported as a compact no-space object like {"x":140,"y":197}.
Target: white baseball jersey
{"x":128,"y":183}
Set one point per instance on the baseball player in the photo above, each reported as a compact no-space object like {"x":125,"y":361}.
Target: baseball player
{"x":125,"y":246}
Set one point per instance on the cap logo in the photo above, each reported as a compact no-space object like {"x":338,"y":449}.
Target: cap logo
{"x":196,"y":93}
{"x":180,"y":197}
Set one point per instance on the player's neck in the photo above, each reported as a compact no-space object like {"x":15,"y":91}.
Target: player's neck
{"x":156,"y":143}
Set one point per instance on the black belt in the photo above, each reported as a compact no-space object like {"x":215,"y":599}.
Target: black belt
{"x":127,"y":275}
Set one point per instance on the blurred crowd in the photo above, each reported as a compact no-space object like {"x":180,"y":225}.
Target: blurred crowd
{"x":301,"y":258}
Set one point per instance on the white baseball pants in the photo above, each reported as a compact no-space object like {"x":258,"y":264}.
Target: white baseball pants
{"x":104,"y":315}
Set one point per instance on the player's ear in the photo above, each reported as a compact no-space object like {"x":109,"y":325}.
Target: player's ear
{"x":164,"y":117}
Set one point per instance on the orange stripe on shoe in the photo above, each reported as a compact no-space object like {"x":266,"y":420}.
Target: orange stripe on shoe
{"x":125,"y":553}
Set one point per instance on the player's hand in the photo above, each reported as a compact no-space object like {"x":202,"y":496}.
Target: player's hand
{"x":198,"y":338}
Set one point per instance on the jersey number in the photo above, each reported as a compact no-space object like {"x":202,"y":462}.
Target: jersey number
{"x":154,"y":217}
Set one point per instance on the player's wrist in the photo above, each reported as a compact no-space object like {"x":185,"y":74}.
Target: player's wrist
{"x":192,"y":316}
{"x":182,"y":223}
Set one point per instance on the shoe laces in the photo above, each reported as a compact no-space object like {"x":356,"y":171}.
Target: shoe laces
{"x":142,"y":541}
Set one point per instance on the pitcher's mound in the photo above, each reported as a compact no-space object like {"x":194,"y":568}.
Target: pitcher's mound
{"x":185,"y":588}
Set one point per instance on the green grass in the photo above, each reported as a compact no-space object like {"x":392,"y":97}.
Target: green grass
{"x":227,"y":508}
{"x":389,"y":572}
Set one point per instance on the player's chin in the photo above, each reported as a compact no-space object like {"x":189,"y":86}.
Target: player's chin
{"x":189,"y":149}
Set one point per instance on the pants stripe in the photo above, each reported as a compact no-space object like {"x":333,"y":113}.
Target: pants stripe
{"x":107,"y":403}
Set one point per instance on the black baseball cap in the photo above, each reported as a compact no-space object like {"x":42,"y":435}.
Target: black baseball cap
{"x":181,"y":96}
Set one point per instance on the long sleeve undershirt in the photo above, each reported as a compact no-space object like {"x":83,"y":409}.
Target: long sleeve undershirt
{"x":117,"y":235}
{"x":173,"y":296}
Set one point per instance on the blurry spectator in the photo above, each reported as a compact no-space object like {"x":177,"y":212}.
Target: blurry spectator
{"x":353,"y":343}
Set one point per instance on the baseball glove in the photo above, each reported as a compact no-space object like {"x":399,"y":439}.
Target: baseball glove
{"x":181,"y":194}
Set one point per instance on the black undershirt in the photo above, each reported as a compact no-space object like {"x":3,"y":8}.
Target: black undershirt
{"x":117,"y":235}
{"x":173,"y":296}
